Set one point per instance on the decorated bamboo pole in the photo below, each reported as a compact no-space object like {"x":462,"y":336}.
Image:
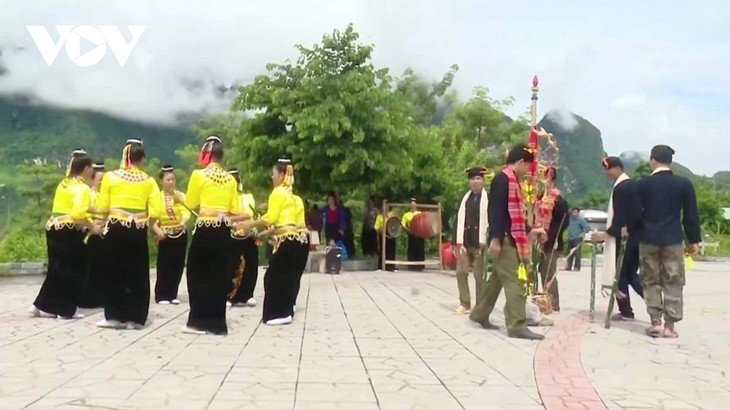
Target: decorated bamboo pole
{"x":530,"y":185}
{"x":533,"y":144}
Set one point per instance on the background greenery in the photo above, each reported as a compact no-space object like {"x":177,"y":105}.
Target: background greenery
{"x":353,"y":127}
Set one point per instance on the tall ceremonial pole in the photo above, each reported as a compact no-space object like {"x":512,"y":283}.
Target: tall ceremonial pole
{"x":533,"y":144}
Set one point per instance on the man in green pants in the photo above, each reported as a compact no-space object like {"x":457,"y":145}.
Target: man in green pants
{"x":509,"y":241}
{"x":471,"y":239}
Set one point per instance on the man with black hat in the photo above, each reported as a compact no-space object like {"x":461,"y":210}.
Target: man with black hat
{"x":510,"y":247}
{"x":667,"y":212}
{"x":471,"y":238}
{"x":621,"y":204}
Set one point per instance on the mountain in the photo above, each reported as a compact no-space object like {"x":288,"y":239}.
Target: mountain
{"x":580,"y":152}
{"x":29,"y":131}
{"x":632,"y":159}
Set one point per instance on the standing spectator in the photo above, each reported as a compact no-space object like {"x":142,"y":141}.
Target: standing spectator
{"x":349,"y":234}
{"x":314,"y":222}
{"x":577,"y":229}
{"x":334,"y":219}
{"x":369,"y":236}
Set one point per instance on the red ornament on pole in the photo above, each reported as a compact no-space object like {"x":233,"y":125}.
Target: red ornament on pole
{"x":534,"y":81}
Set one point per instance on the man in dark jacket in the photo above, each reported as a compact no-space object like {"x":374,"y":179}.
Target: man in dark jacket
{"x":667,"y":212}
{"x":622,"y":203}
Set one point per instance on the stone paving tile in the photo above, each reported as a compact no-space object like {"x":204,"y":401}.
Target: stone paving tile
{"x":369,"y":340}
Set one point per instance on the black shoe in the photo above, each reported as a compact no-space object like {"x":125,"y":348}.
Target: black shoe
{"x":486,"y":324}
{"x":525,"y":334}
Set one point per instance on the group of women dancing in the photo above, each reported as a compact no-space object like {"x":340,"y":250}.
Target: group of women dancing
{"x":98,"y":255}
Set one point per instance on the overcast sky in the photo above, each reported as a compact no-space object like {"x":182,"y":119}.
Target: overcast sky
{"x":642,"y":72}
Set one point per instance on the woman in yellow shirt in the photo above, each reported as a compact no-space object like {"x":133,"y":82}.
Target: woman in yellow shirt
{"x":244,"y":252}
{"x":92,"y":288}
{"x":131,"y":200}
{"x":281,"y":215}
{"x":303,"y":253}
{"x":171,"y":249}
{"x":416,"y":245}
{"x":390,"y":243}
{"x":212,"y":191}
{"x":58,"y":295}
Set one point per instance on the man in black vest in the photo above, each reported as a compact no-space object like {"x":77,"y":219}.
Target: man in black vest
{"x":471,"y":238}
{"x":667,"y":205}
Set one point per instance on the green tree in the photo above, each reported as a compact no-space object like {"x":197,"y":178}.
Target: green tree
{"x":641,"y":170}
{"x":348,"y":127}
{"x":26,"y":240}
{"x":596,"y":199}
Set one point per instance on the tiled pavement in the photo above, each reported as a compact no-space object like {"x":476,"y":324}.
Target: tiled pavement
{"x":369,"y":341}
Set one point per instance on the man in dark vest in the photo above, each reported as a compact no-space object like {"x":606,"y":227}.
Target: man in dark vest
{"x":471,"y":238}
{"x":510,"y":247}
{"x":667,"y":213}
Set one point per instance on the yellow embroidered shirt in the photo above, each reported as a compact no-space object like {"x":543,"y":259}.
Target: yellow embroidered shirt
{"x":248,"y":206}
{"x":299,"y":213}
{"x":95,"y":214}
{"x":407,"y":218}
{"x":130,"y":190}
{"x":213,"y":190}
{"x":173,"y":213}
{"x":71,"y":202}
{"x":379,"y":221}
{"x":281,"y":209}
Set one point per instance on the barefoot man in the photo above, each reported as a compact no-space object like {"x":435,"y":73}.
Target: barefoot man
{"x":668,"y":204}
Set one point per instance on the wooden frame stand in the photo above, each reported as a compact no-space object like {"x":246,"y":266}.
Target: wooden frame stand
{"x":383,"y":237}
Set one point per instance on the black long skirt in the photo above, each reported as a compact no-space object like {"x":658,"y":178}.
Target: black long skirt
{"x":302,"y":258}
{"x":390,"y":244}
{"x":127,"y":296}
{"x":92,"y":284}
{"x":416,"y":251}
{"x":332,"y":233}
{"x":170,"y":266}
{"x":369,"y":241}
{"x":278,"y":280}
{"x":244,"y":251}
{"x":209,"y":278}
{"x":66,"y":265}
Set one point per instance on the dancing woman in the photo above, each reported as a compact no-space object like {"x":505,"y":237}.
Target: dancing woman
{"x":281,"y":214}
{"x":211,"y":190}
{"x":244,"y":252}
{"x":58,"y":296}
{"x":303,"y":252}
{"x":131,"y":199}
{"x":171,"y":248}
{"x":92,"y":289}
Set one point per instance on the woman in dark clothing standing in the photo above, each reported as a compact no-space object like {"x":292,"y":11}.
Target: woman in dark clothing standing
{"x":349,"y":234}
{"x":92,"y":288}
{"x":369,"y":236}
{"x":334,"y":219}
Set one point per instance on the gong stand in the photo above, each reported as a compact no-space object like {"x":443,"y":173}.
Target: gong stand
{"x":383,"y":236}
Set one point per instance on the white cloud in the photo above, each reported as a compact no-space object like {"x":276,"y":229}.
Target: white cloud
{"x":564,"y":118}
{"x":628,"y":102}
{"x":620,"y":65}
